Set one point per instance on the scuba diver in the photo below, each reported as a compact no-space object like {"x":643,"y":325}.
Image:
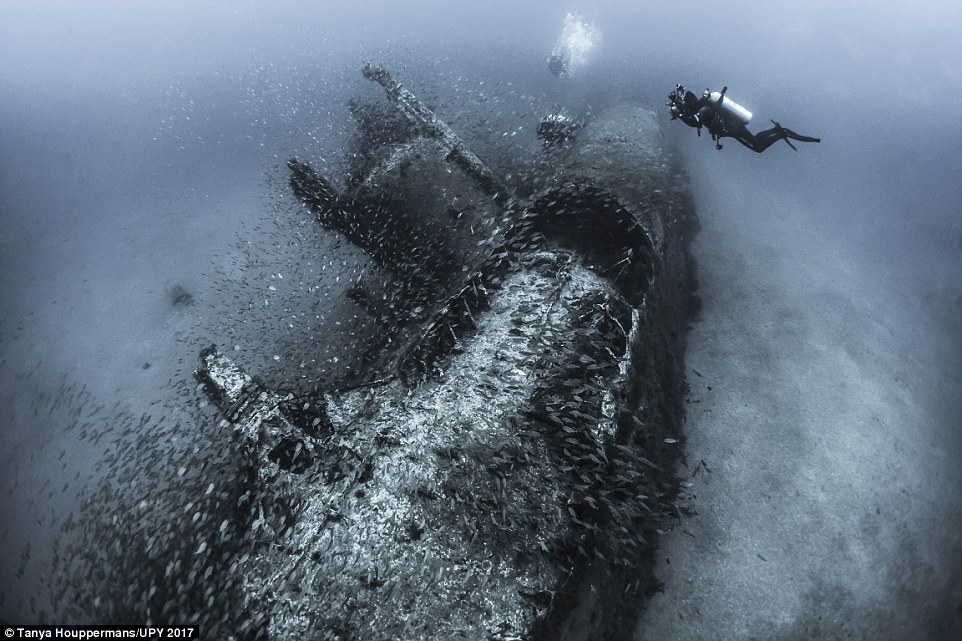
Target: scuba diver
{"x":558,"y":65}
{"x":571,"y":51}
{"x":725,"y":118}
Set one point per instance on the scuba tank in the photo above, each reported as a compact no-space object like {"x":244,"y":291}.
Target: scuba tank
{"x":728,"y":106}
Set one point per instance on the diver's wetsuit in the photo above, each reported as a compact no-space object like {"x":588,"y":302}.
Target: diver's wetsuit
{"x":764,"y":139}
{"x":701,"y":112}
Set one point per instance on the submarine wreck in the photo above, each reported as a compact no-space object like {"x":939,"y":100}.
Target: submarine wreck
{"x":503,"y":464}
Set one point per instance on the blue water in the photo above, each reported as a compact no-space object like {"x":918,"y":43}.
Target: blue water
{"x":142,"y":154}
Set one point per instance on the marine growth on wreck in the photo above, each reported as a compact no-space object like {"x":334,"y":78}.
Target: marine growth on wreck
{"x":500,"y":465}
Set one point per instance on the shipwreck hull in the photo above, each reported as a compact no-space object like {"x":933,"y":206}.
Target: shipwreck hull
{"x":497,"y":472}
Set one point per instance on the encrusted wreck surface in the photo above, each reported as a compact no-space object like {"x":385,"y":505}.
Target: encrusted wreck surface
{"x":495,"y":473}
